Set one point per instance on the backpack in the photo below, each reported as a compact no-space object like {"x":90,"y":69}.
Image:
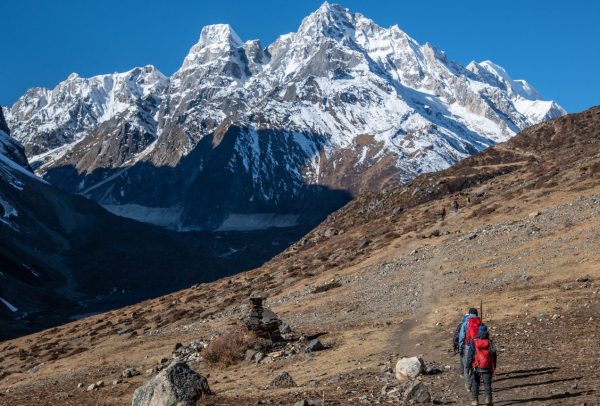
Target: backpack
{"x":472,"y":329}
{"x":484,"y":354}
{"x":455,"y":339}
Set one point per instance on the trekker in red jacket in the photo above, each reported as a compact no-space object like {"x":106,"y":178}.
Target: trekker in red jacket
{"x":466,"y":335}
{"x":481,"y":357}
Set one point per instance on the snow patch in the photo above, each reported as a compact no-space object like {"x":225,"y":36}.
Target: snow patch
{"x":258,"y":221}
{"x":7,"y":304}
{"x":160,"y":216}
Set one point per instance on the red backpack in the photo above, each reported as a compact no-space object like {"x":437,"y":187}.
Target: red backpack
{"x":484,"y":358}
{"x":472,"y":329}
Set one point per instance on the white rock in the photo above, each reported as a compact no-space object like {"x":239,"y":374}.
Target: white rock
{"x":409,"y":368}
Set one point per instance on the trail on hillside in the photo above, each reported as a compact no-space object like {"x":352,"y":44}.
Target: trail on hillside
{"x":407,"y":341}
{"x":521,"y":379}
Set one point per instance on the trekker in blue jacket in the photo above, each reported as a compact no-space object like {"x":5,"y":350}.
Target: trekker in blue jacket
{"x":456,"y":348}
{"x":468,"y":332}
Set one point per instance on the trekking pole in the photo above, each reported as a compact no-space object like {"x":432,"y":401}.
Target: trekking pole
{"x":481,"y":310}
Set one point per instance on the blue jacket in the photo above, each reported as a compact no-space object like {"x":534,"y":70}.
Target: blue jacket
{"x":457,"y":332}
{"x":463,"y":331}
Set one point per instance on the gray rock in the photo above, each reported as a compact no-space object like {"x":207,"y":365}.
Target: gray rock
{"x":176,"y":385}
{"x":250,"y":354}
{"x":283,"y":380}
{"x":95,"y":385}
{"x":417,"y":393}
{"x":330,"y":232}
{"x":123,"y":330}
{"x":130,"y":372}
{"x":314,"y":345}
{"x":259,"y":356}
{"x":285,"y":328}
{"x":307,"y":403}
{"x":335,"y":379}
{"x":409,"y":368}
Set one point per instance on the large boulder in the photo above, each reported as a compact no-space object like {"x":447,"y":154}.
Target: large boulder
{"x":314,"y":345}
{"x":176,"y":385}
{"x":417,"y":393}
{"x":409,"y":368}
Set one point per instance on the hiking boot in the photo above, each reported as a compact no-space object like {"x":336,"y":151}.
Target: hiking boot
{"x":474,"y":402}
{"x":488,"y":401}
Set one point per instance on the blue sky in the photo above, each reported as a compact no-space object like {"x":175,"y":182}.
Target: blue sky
{"x":555,"y":45}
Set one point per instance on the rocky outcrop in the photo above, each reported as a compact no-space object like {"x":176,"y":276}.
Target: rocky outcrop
{"x":176,"y":385}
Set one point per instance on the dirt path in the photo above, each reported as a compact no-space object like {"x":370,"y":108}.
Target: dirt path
{"x":528,"y":374}
{"x":406,"y":341}
{"x":409,"y":342}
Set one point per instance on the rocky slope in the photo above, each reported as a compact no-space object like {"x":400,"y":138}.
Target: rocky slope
{"x":390,"y":274}
{"x":242,"y":136}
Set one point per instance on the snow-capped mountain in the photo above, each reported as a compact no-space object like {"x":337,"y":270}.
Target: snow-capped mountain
{"x":44,"y":119}
{"x":245,"y":137}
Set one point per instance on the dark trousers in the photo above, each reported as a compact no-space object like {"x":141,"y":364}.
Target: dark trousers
{"x":461,"y":367}
{"x":478,"y":375}
{"x":467,"y":370}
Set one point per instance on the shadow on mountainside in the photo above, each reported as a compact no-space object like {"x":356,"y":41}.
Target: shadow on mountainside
{"x":239,"y":171}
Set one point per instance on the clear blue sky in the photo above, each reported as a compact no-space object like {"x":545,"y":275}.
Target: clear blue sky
{"x":553,"y":44}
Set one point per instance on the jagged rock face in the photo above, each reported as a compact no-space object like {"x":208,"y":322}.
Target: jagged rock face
{"x":244,"y":131}
{"x":3,"y":124}
{"x":45,"y":119}
{"x":11,"y":151}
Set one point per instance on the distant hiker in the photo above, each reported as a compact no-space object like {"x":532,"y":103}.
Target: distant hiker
{"x":457,"y":349}
{"x":455,"y":205}
{"x":468,"y":332}
{"x":482,"y":359}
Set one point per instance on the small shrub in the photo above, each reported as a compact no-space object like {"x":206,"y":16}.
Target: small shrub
{"x":231,"y":347}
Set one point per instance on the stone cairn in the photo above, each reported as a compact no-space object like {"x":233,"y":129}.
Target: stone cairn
{"x":262,"y":321}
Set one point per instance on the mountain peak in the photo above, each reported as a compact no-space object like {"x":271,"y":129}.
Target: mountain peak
{"x":519,"y":87}
{"x":216,"y":34}
{"x":328,"y":19}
